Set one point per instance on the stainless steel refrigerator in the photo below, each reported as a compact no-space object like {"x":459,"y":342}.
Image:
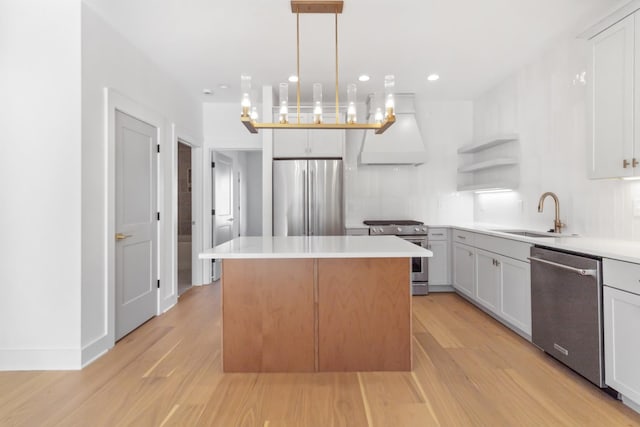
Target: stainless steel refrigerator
{"x":307,"y":198}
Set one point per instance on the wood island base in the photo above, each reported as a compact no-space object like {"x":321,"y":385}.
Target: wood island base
{"x":316,"y":314}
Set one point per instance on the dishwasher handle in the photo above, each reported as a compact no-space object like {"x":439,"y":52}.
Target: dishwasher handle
{"x":580,"y":271}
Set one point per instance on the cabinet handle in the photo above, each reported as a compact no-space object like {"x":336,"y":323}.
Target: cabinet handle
{"x":462,"y":237}
{"x":634,"y":162}
{"x":625,"y":163}
{"x":438,"y":234}
{"x":470,"y":253}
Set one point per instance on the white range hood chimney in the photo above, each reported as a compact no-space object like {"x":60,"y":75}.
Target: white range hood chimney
{"x":401,"y":144}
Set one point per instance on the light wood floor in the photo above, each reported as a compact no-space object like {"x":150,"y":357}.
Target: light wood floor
{"x":469,"y":371}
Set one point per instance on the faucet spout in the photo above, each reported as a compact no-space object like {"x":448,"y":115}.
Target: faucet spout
{"x":557,"y":224}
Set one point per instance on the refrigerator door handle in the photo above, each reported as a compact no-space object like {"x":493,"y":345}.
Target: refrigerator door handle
{"x":311,"y":213}
{"x":305,"y":203}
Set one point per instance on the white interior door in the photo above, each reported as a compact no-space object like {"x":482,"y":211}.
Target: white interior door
{"x":224,"y":190}
{"x":136,"y":223}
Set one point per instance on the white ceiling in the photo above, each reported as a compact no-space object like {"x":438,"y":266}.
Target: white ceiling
{"x":471,"y":44}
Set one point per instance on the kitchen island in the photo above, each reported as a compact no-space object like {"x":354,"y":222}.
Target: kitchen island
{"x":317,"y":303}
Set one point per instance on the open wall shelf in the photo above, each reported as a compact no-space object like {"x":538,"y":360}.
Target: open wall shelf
{"x":490,"y":165}
{"x":487,"y":164}
{"x":497,"y":140}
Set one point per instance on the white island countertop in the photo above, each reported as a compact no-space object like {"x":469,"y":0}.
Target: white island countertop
{"x":316,"y":247}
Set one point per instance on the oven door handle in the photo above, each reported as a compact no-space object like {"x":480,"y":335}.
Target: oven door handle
{"x":580,"y":271}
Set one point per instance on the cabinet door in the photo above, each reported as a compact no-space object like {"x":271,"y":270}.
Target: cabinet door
{"x":621,"y":343}
{"x":487,"y":279}
{"x":515,"y":293}
{"x":290,"y":143}
{"x":463,"y":269}
{"x":326,"y":143}
{"x":612,"y":97}
{"x":439,"y":263}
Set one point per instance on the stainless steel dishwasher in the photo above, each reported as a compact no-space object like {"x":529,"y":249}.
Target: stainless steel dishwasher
{"x":566,"y":309}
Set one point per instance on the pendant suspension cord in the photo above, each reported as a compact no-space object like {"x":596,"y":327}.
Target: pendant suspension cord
{"x":337,"y":102}
{"x":298,"y":62}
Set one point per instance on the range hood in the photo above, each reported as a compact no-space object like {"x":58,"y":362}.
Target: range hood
{"x":401,"y":144}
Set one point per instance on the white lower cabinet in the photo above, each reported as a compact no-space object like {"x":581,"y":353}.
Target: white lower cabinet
{"x":439,"y":263}
{"x":464,"y":269}
{"x":487,"y":280}
{"x":515,"y":293}
{"x":622,"y":342}
{"x":494,"y":274}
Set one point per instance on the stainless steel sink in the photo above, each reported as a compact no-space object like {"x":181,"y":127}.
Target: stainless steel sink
{"x":529,"y":233}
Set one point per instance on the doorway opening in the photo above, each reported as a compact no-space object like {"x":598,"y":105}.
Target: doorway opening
{"x":236,"y":197}
{"x":185,"y":219}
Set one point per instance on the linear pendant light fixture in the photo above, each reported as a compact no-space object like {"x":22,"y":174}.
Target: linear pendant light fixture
{"x":381,"y":121}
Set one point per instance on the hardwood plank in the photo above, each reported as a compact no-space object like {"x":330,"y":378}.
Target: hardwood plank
{"x":376,"y":336}
{"x":491,"y":377}
{"x":268,"y":316}
{"x":394,"y":398}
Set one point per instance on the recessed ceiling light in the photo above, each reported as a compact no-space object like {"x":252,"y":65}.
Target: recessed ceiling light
{"x":433,"y":77}
{"x":223,"y":86}
{"x":207,"y":91}
{"x":293,"y":78}
{"x":364,"y":78}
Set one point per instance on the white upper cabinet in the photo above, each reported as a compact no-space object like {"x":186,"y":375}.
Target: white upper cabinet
{"x":615,"y":132}
{"x":308,"y":143}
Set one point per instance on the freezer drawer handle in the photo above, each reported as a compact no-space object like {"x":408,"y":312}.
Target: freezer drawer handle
{"x":580,"y":271}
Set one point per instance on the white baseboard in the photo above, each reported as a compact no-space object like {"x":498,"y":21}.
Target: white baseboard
{"x":58,"y":359}
{"x":441,"y":288}
{"x":631,"y":404}
{"x":95,"y":349}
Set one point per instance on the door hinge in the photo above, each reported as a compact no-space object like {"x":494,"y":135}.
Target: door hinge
{"x":213,"y":211}
{"x":158,"y":283}
{"x":158,"y":216}
{"x":158,"y":148}
{"x":213,"y":164}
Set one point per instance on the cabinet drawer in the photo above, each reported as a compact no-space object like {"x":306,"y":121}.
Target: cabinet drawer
{"x":438,"y":233}
{"x":621,"y":275}
{"x":506,"y":247}
{"x":465,"y":237}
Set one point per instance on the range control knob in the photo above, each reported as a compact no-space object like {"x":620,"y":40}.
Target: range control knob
{"x":417,"y":229}
{"x":424,"y":229}
{"x":399,"y":229}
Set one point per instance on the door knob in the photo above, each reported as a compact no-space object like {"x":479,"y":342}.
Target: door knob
{"x":120,"y":236}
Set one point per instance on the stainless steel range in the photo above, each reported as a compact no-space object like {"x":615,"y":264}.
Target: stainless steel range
{"x":414,"y":232}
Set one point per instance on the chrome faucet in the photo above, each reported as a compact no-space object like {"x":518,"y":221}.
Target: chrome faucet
{"x":557,"y":224}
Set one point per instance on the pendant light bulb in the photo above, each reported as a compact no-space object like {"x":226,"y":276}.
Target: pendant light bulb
{"x":284,"y":103}
{"x":379,"y":117}
{"x":389,"y":103}
{"x":351,"y":103}
{"x":317,"y":103}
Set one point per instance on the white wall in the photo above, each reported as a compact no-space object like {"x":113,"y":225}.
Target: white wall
{"x":426,"y":192}
{"x":254,"y":193}
{"x":108,"y":60}
{"x":550,"y":116}
{"x":40,"y":184}
{"x":223,"y":129}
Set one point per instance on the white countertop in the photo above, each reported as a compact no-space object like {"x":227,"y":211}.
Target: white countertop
{"x":316,"y":247}
{"x":623,"y":250}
